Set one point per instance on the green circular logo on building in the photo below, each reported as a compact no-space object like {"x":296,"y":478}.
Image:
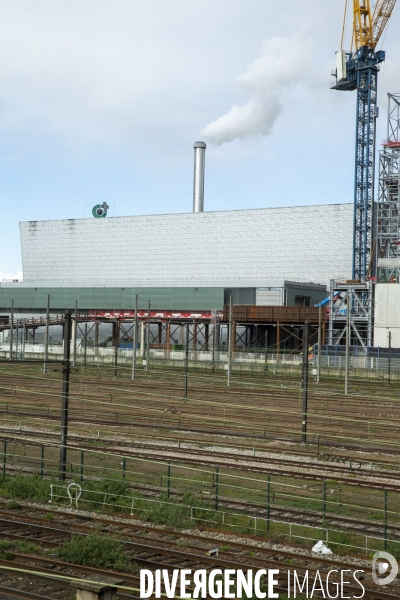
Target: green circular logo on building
{"x":100,"y":210}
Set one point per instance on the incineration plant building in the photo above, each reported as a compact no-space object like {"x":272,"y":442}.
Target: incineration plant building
{"x":189,"y":260}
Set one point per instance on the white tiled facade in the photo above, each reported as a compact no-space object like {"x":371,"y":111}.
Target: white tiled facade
{"x":305,"y":243}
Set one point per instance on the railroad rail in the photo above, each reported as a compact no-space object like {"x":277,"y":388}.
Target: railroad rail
{"x":314,"y":471}
{"x":163,"y":551}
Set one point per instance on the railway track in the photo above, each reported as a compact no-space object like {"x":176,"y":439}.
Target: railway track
{"x":314,"y":471}
{"x":241,"y":413}
{"x":162,"y":551}
{"x":177,"y":424}
{"x":83,"y":522}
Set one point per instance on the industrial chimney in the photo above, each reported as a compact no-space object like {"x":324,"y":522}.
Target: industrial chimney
{"x":198,"y":185}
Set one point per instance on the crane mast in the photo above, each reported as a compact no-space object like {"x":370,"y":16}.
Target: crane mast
{"x":358,"y":70}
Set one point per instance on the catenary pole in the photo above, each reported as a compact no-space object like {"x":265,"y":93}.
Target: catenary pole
{"x":134,"y":338}
{"x":346,"y":360}
{"x":305,"y":384}
{"x":12,"y":329}
{"x":148,"y":337}
{"x":65,"y":395}
{"x":319,"y":342}
{"x":46,"y":335}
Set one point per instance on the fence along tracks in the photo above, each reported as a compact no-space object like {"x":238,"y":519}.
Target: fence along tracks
{"x":326,"y":509}
{"x":166,"y":550}
{"x":328,"y":466}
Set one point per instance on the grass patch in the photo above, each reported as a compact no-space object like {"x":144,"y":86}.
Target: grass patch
{"x":4,"y":551}
{"x":12,"y":505}
{"x":97,"y":551}
{"x":337,"y":539}
{"x":23,"y":546}
{"x":173,"y":513}
{"x":394,"y":549}
{"x":25,"y":487}
{"x":27,"y":547}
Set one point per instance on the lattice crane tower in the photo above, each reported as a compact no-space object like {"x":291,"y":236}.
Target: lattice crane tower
{"x":388,"y":211}
{"x":358,"y":70}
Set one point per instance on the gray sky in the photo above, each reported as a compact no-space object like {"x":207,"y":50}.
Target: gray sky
{"x":103,"y":100}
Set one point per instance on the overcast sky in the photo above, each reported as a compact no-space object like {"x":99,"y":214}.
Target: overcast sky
{"x":102,"y":100}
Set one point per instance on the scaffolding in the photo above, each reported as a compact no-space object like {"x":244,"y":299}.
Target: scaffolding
{"x":388,"y":226}
{"x":358,"y":298}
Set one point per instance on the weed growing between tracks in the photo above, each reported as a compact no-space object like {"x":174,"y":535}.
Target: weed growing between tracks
{"x":22,"y":546}
{"x":12,"y":505}
{"x":340,"y":542}
{"x":24,"y":487}
{"x":188,"y":511}
{"x":97,"y":551}
{"x":173,"y":513}
{"x":161,"y":510}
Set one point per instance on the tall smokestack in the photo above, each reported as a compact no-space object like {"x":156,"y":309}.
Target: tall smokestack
{"x":198,"y":186}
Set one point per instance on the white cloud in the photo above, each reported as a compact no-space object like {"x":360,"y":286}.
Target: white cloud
{"x":284,"y":63}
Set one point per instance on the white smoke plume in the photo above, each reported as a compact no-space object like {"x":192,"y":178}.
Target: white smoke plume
{"x":283,"y":64}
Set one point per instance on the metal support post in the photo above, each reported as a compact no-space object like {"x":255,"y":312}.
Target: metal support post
{"x":213,"y":348}
{"x":389,"y":356}
{"x":148,"y":337}
{"x":266,"y":349}
{"x":169,"y":479}
{"x":116,"y":343}
{"x":305,"y":384}
{"x":185,"y":394}
{"x":74,"y":334}
{"x":42,"y":462}
{"x":82,"y":462}
{"x":346,"y":365}
{"x":230,"y":336}
{"x":85,"y":346}
{"x":134,"y":342}
{"x":123,"y":467}
{"x":96,"y":336}
{"x":319,"y":342}
{"x":206,"y":336}
{"x":278,"y":340}
{"x":65,"y":395}
{"x":12,"y":329}
{"x":385,"y":497}
{"x":23,"y":340}
{"x":4,"y":458}
{"x":216,"y":487}
{"x":324,"y":504}
{"x":168,"y":340}
{"x":142,"y":348}
{"x":268,"y":499}
{"x":331,"y":310}
{"x":46,"y":335}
